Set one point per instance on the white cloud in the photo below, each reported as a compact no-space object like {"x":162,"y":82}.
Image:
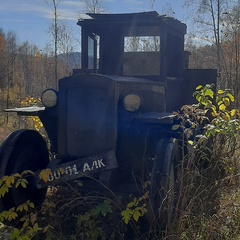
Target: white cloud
{"x":66,"y":9}
{"x":71,"y":4}
{"x":70,"y":9}
{"x":12,"y":20}
{"x":132,"y":2}
{"x":134,"y":5}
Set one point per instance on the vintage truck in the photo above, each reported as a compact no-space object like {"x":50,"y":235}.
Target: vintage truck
{"x":112,"y":119}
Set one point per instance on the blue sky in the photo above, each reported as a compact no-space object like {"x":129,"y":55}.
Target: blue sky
{"x":30,"y":19}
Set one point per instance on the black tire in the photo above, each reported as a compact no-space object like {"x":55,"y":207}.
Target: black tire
{"x":23,"y":150}
{"x":163,"y":189}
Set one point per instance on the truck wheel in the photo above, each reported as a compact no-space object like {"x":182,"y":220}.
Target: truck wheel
{"x":23,"y":150}
{"x":163,"y":190}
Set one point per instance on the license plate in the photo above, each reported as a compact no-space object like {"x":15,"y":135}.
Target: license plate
{"x":78,"y":168}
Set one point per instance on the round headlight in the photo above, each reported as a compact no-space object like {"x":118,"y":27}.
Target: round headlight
{"x":132,"y":102}
{"x":49,"y":98}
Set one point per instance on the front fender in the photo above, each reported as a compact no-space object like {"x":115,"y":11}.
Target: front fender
{"x":26,"y":111}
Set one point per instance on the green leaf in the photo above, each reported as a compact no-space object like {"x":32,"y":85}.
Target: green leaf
{"x":17,"y":175}
{"x":45,"y":229}
{"x":126,"y":214}
{"x":220,"y":92}
{"x":233,"y":112}
{"x":146,"y":195}
{"x":199,"y":98}
{"x":22,"y":182}
{"x":25,"y":206}
{"x":175,"y":127}
{"x":11,"y":215}
{"x":27,"y":172}
{"x":226,"y":101}
{"x":199,"y":87}
{"x":209,"y":93}
{"x":3,"y":190}
{"x":15,"y":234}
{"x":226,"y":117}
{"x":136,"y":215}
{"x":190,"y":142}
{"x":104,"y":208}
{"x":231,"y":97}
{"x":36,"y":227}
{"x":44,"y":174}
{"x":31,"y":204}
{"x":222,"y":107}
{"x":20,"y":208}
{"x":9,"y":180}
{"x":131,"y":204}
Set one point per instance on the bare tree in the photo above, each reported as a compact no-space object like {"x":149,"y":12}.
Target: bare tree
{"x":2,"y":57}
{"x":166,"y":8}
{"x":231,"y":50}
{"x":94,"y":6}
{"x":53,"y":4}
{"x":207,"y":15}
{"x":152,"y":4}
{"x":65,"y":44}
{"x":11,"y":50}
{"x":218,"y":22}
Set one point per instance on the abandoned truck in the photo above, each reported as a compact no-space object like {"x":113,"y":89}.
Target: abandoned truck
{"x":110,"y":120}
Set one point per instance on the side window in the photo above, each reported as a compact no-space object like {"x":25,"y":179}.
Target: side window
{"x":93,"y":42}
{"x":91,"y":53}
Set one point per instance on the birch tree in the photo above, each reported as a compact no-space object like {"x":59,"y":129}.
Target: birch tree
{"x":207,"y":16}
{"x":231,"y":50}
{"x":218,"y":23}
{"x":53,"y":4}
{"x":94,"y":6}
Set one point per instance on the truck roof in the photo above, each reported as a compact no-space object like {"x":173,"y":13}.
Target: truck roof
{"x":143,"y":18}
